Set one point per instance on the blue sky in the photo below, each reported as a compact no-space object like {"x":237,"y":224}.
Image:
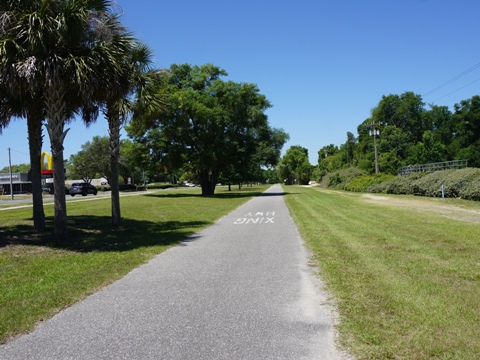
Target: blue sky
{"x":323,"y":64}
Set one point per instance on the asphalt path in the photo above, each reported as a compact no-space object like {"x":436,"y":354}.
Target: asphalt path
{"x":240,"y":289}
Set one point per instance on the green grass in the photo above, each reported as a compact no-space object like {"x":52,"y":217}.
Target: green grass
{"x":406,"y":282}
{"x":39,"y":278}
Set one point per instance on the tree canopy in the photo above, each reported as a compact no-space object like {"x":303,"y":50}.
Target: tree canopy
{"x":295,"y":167}
{"x":410,"y":134}
{"x":22,"y":168}
{"x":93,"y":160}
{"x":208,"y":125}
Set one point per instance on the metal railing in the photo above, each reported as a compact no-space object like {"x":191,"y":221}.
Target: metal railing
{"x":446,"y":165}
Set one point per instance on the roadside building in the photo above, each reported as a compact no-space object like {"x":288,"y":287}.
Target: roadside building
{"x":20,"y":182}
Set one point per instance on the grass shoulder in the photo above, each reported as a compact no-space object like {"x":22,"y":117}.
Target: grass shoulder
{"x":405,"y":271}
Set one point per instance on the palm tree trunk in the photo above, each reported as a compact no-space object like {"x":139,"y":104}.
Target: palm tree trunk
{"x":115,"y":193}
{"x":114,"y":132}
{"x":56,"y":116}
{"x":35,"y":144}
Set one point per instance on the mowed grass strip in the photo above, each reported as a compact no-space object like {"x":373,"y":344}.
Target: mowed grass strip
{"x":406,"y":282}
{"x":39,"y":278}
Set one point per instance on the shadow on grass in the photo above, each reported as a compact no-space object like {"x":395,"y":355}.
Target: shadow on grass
{"x":95,"y":233}
{"x":218,"y":195}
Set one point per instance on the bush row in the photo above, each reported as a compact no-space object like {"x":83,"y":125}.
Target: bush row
{"x":161,"y":186}
{"x":121,"y":187}
{"x":341,"y":178}
{"x":131,"y":187}
{"x":363,"y":183}
{"x":463,"y":183}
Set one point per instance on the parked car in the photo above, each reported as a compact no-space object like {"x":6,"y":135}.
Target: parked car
{"x":83,"y":188}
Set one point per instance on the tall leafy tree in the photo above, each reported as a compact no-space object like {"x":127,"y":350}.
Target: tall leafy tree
{"x":401,"y":121}
{"x":93,"y":159}
{"x":402,"y":111}
{"x":429,"y":150}
{"x":467,"y":121}
{"x":134,"y":158}
{"x":64,"y":50}
{"x":467,"y":130}
{"x":329,"y":159}
{"x":81,"y":166}
{"x":249,"y":168}
{"x":295,"y":166}
{"x":350,"y":148}
{"x":442,"y":122}
{"x":207,"y":124}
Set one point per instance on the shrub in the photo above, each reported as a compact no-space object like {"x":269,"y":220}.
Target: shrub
{"x":127,"y":187}
{"x":341,"y":178}
{"x":161,"y":186}
{"x":401,"y":185}
{"x":363,"y":183}
{"x":463,"y":183}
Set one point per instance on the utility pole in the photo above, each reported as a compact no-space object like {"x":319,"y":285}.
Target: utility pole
{"x":375,"y":132}
{"x":10,"y":166}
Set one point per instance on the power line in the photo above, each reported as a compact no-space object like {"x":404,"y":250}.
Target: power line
{"x":18,"y":152}
{"x":441,"y":97}
{"x":452,"y":80}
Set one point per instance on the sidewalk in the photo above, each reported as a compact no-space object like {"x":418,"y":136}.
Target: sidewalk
{"x":240,"y":289}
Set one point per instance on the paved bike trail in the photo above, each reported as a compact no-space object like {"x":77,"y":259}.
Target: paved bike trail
{"x":239,"y":289}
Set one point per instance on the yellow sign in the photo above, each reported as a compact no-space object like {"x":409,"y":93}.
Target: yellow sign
{"x":49,"y":161}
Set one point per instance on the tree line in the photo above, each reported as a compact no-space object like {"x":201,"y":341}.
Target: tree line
{"x":65,"y":59}
{"x":207,"y":130}
{"x":409,"y":132}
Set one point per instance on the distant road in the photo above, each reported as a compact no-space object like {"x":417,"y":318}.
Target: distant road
{"x":48,"y":199}
{"x":240,"y":289}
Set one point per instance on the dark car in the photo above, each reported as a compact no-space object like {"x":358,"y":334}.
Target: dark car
{"x":82,"y":188}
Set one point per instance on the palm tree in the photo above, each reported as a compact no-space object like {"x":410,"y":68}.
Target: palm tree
{"x":31,"y":109}
{"x":64,"y":50}
{"x":136,"y":79}
{"x":21,"y":105}
{"x":35,"y":119}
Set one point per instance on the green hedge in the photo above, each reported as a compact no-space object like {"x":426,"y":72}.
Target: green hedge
{"x":362,"y":183}
{"x":403,"y":185}
{"x":121,"y":187}
{"x":463,"y":183}
{"x":161,"y":186}
{"x":341,"y":178}
{"x":131,"y":187}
